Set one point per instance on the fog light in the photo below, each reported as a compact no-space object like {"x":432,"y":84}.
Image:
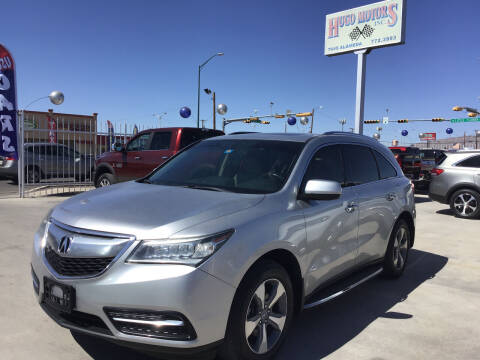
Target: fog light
{"x":157,"y":324}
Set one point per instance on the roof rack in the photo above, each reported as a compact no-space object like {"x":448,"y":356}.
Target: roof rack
{"x":342,"y":133}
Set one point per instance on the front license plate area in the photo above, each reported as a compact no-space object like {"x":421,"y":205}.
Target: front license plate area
{"x":58,"y":296}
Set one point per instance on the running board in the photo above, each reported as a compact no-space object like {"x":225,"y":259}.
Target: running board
{"x":341,"y":287}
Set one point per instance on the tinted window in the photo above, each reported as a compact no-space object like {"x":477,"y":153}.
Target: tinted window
{"x":326,"y":164}
{"x":161,"y":141}
{"x":244,"y":166}
{"x":360,"y":165}
{"x":139,"y":143}
{"x":473,"y":161}
{"x":191,"y":135}
{"x":385,"y":169}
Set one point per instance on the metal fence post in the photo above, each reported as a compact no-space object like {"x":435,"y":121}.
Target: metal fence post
{"x":21,"y":153}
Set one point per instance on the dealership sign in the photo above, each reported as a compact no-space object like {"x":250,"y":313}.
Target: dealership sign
{"x":8,"y":106}
{"x":428,"y":136}
{"x":369,"y":26}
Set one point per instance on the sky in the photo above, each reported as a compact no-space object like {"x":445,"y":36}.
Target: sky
{"x":129,"y":60}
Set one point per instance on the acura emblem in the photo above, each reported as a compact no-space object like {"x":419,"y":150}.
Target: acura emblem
{"x":64,"y":245}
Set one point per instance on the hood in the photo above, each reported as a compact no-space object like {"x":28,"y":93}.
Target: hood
{"x":149,"y":211}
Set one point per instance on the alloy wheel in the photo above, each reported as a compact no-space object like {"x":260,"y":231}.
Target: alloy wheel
{"x":266,"y":316}
{"x":104,"y":182}
{"x":400,"y":247}
{"x":465,"y":204}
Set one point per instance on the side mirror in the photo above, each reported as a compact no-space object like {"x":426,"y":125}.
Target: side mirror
{"x":321,"y":190}
{"x":118,"y":147}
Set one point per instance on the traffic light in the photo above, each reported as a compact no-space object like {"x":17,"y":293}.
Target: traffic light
{"x":472,"y":114}
{"x":371,"y":122}
{"x":266,"y":122}
{"x":401,"y":121}
{"x":247,"y":121}
{"x":437,"y":119}
{"x":457,"y":108}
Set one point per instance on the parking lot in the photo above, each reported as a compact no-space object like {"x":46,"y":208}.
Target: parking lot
{"x":429,"y":313}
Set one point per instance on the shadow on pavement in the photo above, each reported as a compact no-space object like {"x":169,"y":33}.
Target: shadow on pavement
{"x":422,"y":199}
{"x":320,"y":331}
{"x":445,"y":212}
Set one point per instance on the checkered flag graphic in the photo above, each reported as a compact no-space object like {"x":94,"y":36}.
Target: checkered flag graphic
{"x":367,"y":30}
{"x":355,"y":34}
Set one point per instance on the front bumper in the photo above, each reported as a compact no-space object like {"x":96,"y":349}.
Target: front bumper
{"x":203,"y":299}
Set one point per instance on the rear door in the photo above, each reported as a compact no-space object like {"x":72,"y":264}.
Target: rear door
{"x":376,"y":200}
{"x":331,"y":225}
{"x":472,"y":163}
{"x":189,"y":136}
{"x":160,"y":149}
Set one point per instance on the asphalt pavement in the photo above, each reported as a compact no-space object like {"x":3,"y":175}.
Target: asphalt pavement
{"x":432,"y":312}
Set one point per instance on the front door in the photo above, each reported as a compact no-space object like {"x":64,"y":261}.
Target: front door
{"x":133,"y":161}
{"x":160,"y":150}
{"x":331,"y":225}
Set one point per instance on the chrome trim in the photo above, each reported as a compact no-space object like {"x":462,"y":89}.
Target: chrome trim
{"x":103,"y":235}
{"x":341,"y":292}
{"x":157,"y":323}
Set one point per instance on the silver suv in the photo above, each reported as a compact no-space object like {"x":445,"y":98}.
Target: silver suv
{"x":456,"y":181}
{"x":223,"y":244}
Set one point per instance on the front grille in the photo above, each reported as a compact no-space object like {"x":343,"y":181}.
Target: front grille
{"x":71,"y":266}
{"x":77,"y":319}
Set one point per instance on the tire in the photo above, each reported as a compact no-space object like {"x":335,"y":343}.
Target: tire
{"x":32,"y":175}
{"x":275,"y":318}
{"x":105,"y":179}
{"x":397,"y":251}
{"x":465,"y":203}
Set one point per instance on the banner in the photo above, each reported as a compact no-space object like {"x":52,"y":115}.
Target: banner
{"x":8,"y":106}
{"x":52,"y":130}
{"x":111,"y":135}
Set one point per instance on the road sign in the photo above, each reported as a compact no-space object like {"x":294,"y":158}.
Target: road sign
{"x":369,"y":26}
{"x":465,"y":120}
{"x":385,"y":120}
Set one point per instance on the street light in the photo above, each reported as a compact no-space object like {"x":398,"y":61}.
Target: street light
{"x":342,"y":122}
{"x":198,"y":90}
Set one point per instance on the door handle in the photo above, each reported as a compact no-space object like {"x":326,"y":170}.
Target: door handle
{"x":391,"y":196}
{"x":137,"y":157}
{"x":351,"y":207}
{"x":165,"y":157}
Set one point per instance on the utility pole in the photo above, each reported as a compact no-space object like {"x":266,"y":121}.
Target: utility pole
{"x":214,"y":116}
{"x":203,"y":123}
{"x":311,"y":125}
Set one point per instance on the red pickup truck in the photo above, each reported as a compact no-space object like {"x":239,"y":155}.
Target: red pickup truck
{"x":145,"y":152}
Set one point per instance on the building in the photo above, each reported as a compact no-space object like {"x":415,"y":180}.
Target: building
{"x":452,"y":143}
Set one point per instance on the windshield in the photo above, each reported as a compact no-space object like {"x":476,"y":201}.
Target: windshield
{"x":243,"y":166}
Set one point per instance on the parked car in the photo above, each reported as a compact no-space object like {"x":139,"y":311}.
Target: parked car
{"x":456,"y":181}
{"x":429,"y":158}
{"x":225,"y":242}
{"x":45,"y":161}
{"x":145,"y":152}
{"x":409,"y":159}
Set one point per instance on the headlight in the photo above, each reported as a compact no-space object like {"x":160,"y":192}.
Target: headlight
{"x":179,"y":251}
{"x":42,"y":229}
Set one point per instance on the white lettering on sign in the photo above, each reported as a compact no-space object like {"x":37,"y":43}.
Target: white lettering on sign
{"x":6,"y":121}
{"x":6,"y":144}
{"x":4,"y":82}
{"x":5,"y":103}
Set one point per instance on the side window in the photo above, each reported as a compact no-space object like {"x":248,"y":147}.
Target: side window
{"x":326,"y":164}
{"x":473,"y":161}
{"x":139,"y":143}
{"x":360,"y":165}
{"x":385,"y":169}
{"x":161,"y":140}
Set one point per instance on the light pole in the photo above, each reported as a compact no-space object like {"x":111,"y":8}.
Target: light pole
{"x":342,"y":122}
{"x":56,"y":98}
{"x":159,"y":117}
{"x":477,"y":132}
{"x":198,"y":90}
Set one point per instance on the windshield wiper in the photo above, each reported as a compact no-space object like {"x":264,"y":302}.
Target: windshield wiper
{"x":202,"y":187}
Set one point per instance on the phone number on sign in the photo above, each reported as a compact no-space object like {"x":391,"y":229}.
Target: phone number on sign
{"x":384,"y":39}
